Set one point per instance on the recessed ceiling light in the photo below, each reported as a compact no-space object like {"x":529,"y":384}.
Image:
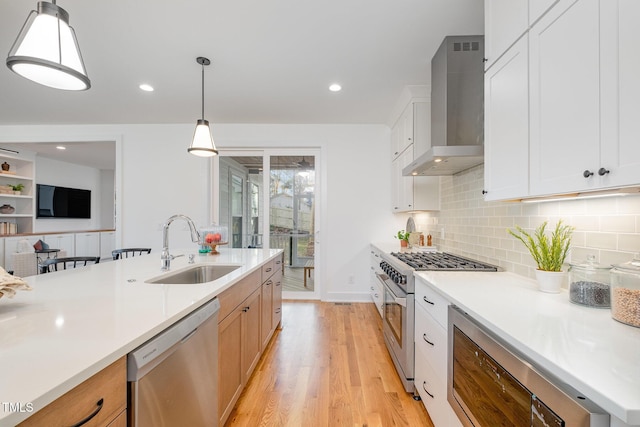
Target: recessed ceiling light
{"x":60,"y":147}
{"x":145,"y":87}
{"x":335,"y":87}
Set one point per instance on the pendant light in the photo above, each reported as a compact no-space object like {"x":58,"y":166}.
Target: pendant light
{"x":46,"y":50}
{"x":203,"y":144}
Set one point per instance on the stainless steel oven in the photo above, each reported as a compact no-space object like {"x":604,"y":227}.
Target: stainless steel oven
{"x":489,"y":384}
{"x":397,"y":328}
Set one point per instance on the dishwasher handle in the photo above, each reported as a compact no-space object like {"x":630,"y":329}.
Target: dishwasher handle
{"x":148,"y":355}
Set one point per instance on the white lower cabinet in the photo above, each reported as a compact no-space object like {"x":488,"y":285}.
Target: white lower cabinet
{"x":433,"y":393}
{"x":431,"y":355}
{"x":64,"y":242}
{"x":107,"y":244}
{"x":375,"y":287}
{"x":88,"y":244}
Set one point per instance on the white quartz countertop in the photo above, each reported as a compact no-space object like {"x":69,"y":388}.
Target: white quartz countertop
{"x":76,"y":322}
{"x":581,"y":346}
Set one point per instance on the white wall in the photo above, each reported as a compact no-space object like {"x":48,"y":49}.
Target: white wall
{"x":107,"y":199}
{"x":158,"y":178}
{"x":62,"y":174}
{"x":355,"y":180}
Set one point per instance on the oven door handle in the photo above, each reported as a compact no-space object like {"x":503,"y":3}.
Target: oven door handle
{"x":400,"y":301}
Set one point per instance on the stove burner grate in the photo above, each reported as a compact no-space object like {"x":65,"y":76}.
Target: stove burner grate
{"x":441,"y":261}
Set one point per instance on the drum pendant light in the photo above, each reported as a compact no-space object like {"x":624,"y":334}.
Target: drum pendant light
{"x":47,"y":52}
{"x":202,"y":144}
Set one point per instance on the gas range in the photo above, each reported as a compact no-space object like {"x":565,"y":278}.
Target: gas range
{"x":395,"y":272}
{"x":399,"y":266}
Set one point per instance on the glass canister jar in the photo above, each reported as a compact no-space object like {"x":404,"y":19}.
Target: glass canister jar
{"x":625,"y":292}
{"x":589,"y":283}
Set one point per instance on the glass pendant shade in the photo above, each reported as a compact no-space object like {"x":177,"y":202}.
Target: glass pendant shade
{"x":202,"y":144}
{"x":46,"y":50}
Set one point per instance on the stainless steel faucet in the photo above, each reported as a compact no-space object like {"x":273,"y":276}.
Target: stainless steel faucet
{"x":165,"y":257}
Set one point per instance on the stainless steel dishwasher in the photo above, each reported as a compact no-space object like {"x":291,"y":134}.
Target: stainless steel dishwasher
{"x":173,"y":378}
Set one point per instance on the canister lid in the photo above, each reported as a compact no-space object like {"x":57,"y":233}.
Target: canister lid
{"x":633,"y":265}
{"x":592,"y":264}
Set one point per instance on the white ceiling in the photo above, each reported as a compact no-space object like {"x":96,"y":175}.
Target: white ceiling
{"x":272,"y":61}
{"x":94,"y":154}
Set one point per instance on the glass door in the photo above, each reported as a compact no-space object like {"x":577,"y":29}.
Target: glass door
{"x":237,"y":211}
{"x":268,"y":199}
{"x":292,"y":218}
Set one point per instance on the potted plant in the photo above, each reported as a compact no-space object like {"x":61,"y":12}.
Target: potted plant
{"x":403,"y":237}
{"x":17,"y":188}
{"x":548,"y":251}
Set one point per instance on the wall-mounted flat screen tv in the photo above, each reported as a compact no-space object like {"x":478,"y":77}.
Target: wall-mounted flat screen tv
{"x":62,"y":202}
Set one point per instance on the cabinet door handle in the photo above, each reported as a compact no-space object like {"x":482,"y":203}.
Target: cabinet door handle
{"x":376,"y":295}
{"x":427,"y":301}
{"x":587,"y":173}
{"x":424,"y":337}
{"x":424,"y":387}
{"x":99,"y":405}
{"x":485,"y":192}
{"x":603,"y":171}
{"x":244,"y":310}
{"x":268,"y":270}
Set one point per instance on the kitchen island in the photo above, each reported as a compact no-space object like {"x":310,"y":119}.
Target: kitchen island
{"x":75,"y":323}
{"x":580,"y":346}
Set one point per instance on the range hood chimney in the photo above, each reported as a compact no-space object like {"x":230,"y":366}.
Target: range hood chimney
{"x":457,"y":109}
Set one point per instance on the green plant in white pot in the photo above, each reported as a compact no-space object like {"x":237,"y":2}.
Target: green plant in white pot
{"x":548,"y":251}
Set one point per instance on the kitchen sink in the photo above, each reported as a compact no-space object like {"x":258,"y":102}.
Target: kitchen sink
{"x":194,"y":275}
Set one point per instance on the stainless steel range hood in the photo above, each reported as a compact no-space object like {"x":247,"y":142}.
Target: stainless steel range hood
{"x":457,"y":109}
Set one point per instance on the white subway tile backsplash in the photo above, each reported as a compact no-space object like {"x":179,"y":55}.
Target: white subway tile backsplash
{"x":629,"y":242}
{"x":601,"y":240}
{"x":618,"y":223}
{"x":629,"y":205}
{"x":608,"y":228}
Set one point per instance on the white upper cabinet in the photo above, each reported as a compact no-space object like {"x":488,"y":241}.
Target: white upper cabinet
{"x":565,"y":94}
{"x":620,"y":110}
{"x":584,"y":102}
{"x":505,"y":22}
{"x":412,"y":193}
{"x":402,"y":133}
{"x":506,"y":129}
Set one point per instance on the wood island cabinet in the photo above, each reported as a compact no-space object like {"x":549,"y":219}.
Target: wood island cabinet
{"x":100,"y":401}
{"x":249,"y":314}
{"x":271,"y":299}
{"x":235,"y":343}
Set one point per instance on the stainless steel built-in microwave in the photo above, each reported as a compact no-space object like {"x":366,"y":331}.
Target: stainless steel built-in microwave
{"x":490,"y":386}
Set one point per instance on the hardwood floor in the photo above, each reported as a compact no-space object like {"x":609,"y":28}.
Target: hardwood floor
{"x":328,"y":366}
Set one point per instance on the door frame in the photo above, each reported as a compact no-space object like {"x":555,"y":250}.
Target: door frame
{"x":266,"y":154}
